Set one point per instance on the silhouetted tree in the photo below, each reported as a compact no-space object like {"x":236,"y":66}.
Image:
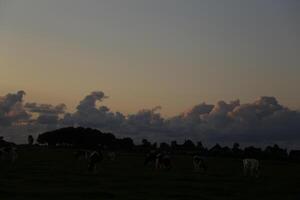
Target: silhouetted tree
{"x":126,"y":143}
{"x":253,"y":152}
{"x":154,"y":145}
{"x":215,"y":150}
{"x":294,"y":155}
{"x":4,"y":143}
{"x":236,"y":151}
{"x":164,"y":146}
{"x":146,"y":143}
{"x":275,"y":152}
{"x":174,"y":145}
{"x":30,"y":140}
{"x":188,"y":145}
{"x":91,"y":138}
{"x":200,"y":146}
{"x":236,"y":146}
{"x":83,"y":138}
{"x":226,"y":152}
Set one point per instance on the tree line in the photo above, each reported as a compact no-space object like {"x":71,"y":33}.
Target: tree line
{"x":92,"y":138}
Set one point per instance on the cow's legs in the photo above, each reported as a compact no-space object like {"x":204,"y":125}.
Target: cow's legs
{"x":95,"y":169}
{"x":196,"y":166}
{"x":245,"y":170}
{"x":203,"y":165}
{"x":158,"y":164}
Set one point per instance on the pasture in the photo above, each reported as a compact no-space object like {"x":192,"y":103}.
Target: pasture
{"x":42,"y":173}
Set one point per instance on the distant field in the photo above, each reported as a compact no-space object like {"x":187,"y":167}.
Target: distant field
{"x":42,"y":173}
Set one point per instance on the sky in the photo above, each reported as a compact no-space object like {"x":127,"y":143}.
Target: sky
{"x":169,"y":53}
{"x":146,"y":53}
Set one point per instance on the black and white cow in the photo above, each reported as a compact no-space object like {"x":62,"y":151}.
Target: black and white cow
{"x":163,"y":161}
{"x":8,"y":154}
{"x":251,"y":167}
{"x":111,"y":155}
{"x":82,"y":154}
{"x":94,"y":158}
{"x":198,"y":163}
{"x":151,"y":157}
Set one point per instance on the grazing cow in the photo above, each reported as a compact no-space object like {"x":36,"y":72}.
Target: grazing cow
{"x":251,"y":167}
{"x":4,"y":153}
{"x":150,"y":157}
{"x":94,"y":158}
{"x":199,"y":163}
{"x":82,"y":154}
{"x":160,"y":159}
{"x":163,"y":161}
{"x":111,"y":155}
{"x":8,"y":154}
{"x":13,"y":154}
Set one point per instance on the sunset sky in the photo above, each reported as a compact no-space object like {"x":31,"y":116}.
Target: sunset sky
{"x":142,"y":53}
{"x":209,"y":70}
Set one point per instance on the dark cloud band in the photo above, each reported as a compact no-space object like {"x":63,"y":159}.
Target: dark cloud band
{"x":264,"y":120}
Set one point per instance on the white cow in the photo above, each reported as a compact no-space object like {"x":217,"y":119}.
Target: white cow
{"x":251,"y":167}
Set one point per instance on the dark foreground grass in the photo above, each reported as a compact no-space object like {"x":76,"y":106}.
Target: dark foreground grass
{"x":53,"y":174}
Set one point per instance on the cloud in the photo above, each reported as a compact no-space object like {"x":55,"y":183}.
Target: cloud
{"x":47,"y":119}
{"x":17,"y":119}
{"x":144,"y":121}
{"x":263,"y":121}
{"x":47,"y":114}
{"x":89,"y":115}
{"x":89,"y":102}
{"x":45,"y":108}
{"x":11,"y":109}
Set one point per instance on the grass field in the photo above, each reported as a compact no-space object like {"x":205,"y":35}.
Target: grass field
{"x":42,"y":173}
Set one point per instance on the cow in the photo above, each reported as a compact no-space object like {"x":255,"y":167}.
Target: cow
{"x":111,"y":155}
{"x":251,"y":167}
{"x":94,"y":158}
{"x":163,"y":161}
{"x":8,"y":154}
{"x":82,"y":154}
{"x":150,"y":157}
{"x":198,"y":163}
